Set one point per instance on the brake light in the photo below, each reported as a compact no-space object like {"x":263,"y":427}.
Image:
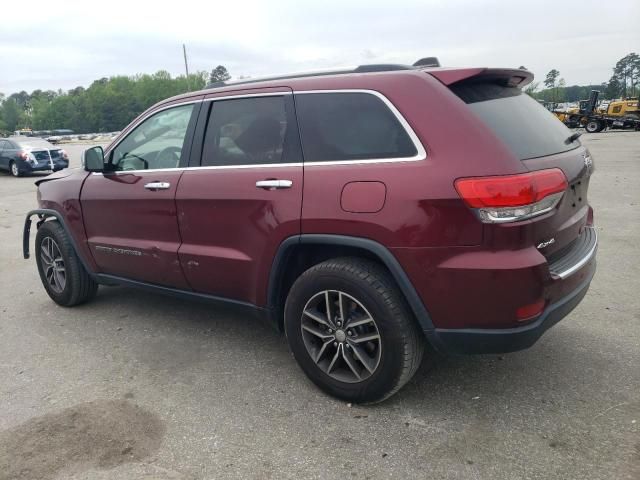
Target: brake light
{"x":27,"y":156}
{"x":511,"y":198}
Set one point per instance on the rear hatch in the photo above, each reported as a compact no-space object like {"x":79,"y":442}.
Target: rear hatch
{"x":540,"y":141}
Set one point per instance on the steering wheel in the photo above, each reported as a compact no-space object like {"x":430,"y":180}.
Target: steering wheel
{"x":168,"y":157}
{"x":129,"y":166}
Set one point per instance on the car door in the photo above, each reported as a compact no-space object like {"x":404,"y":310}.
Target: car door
{"x":130,"y":212}
{"x":4,"y":163}
{"x":245,"y":195}
{"x":7,"y":153}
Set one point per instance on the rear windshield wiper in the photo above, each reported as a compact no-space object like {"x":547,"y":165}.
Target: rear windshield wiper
{"x":572,"y":138}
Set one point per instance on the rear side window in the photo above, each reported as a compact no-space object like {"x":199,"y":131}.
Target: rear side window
{"x":246,"y":131}
{"x":350,"y":126}
{"x":526,"y":127}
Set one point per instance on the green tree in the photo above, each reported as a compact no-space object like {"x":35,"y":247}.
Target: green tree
{"x":219,"y":74}
{"x":627,"y":72}
{"x":10,"y":114}
{"x":550,"y":80}
{"x":531,"y":89}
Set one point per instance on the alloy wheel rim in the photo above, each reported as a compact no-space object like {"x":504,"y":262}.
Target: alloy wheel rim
{"x":14,"y":169}
{"x":53,"y":265}
{"x":341,"y":336}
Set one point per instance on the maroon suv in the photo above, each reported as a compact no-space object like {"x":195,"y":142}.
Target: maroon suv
{"x":365,"y":212}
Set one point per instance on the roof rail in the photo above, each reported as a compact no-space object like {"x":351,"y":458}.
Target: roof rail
{"x":380,"y":67}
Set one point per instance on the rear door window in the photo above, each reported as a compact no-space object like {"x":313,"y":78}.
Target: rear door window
{"x":249,"y":131}
{"x":526,"y":127}
{"x":350,"y":126}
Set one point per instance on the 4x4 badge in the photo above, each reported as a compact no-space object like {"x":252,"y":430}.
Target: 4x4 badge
{"x":546,"y":244}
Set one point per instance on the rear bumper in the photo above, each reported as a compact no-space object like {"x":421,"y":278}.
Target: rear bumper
{"x":26,"y":167}
{"x":504,"y":340}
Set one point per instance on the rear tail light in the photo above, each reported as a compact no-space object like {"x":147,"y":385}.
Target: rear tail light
{"x":27,"y":156}
{"x":511,"y":198}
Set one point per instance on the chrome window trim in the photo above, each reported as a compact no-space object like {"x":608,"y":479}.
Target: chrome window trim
{"x":420,"y":155}
{"x":249,"y":95}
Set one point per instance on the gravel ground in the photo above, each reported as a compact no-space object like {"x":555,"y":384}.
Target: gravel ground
{"x":140,"y":386}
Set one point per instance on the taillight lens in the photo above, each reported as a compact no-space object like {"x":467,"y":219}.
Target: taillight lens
{"x":27,"y":156}
{"x":511,"y":198}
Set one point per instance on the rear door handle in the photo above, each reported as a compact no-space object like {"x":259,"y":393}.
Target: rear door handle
{"x":157,"y":186}
{"x":274,"y":184}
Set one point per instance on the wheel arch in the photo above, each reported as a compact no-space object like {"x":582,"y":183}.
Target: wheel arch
{"x":300,"y":252}
{"x":45,"y":214}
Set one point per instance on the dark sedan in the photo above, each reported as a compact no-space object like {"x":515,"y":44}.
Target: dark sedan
{"x":20,"y":155}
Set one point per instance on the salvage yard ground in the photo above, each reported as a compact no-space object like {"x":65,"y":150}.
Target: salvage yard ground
{"x":140,"y":386}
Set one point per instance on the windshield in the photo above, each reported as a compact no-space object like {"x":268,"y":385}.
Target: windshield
{"x":526,"y":127}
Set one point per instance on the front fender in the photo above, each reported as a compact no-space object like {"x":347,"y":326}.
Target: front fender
{"x":44,"y":214}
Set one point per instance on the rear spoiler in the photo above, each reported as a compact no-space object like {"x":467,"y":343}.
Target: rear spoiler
{"x":509,"y":77}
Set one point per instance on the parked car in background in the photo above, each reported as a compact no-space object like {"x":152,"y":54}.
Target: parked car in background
{"x":366,"y":213}
{"x":20,"y":155}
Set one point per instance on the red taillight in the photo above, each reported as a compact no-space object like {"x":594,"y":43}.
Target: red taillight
{"x":511,"y":190}
{"x":527,"y":312}
{"x":512,"y":198}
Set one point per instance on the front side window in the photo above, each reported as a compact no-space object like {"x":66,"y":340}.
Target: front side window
{"x":350,"y":126}
{"x":246,"y":131}
{"x":156,"y":143}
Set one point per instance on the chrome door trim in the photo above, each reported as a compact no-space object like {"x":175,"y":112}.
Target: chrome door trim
{"x":157,"y":186}
{"x":274,"y":184}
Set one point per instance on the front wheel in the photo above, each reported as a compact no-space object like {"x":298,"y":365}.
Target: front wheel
{"x":351,"y":331}
{"x":14,"y":169}
{"x":63,"y":275}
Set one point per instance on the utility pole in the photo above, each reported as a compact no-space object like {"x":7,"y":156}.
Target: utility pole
{"x":186,"y":65}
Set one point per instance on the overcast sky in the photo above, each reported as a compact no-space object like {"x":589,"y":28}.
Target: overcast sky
{"x":51,"y":45}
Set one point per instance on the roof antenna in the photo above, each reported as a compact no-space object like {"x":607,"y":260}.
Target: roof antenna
{"x":427,"y":62}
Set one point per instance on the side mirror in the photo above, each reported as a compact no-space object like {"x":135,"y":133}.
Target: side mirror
{"x":93,"y":159}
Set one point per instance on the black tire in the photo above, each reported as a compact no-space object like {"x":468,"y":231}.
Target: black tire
{"x":13,"y":169}
{"x":78,"y":287}
{"x":401,"y":342}
{"x":593,"y":126}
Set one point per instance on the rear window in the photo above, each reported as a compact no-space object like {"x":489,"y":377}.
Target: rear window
{"x":527,"y":128}
{"x":350,"y":126}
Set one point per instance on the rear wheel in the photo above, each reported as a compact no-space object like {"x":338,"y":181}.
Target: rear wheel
{"x":593,"y":126}
{"x":350,"y":330}
{"x":14,"y":169}
{"x":62,"y":274}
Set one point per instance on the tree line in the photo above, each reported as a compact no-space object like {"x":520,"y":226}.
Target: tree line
{"x":624,"y":82}
{"x":107,"y":105}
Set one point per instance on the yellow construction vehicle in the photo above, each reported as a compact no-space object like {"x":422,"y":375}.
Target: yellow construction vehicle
{"x":627,"y":107}
{"x":617,"y":114}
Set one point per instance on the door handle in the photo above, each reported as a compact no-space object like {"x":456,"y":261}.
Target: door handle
{"x":157,"y":186}
{"x":274,"y":184}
